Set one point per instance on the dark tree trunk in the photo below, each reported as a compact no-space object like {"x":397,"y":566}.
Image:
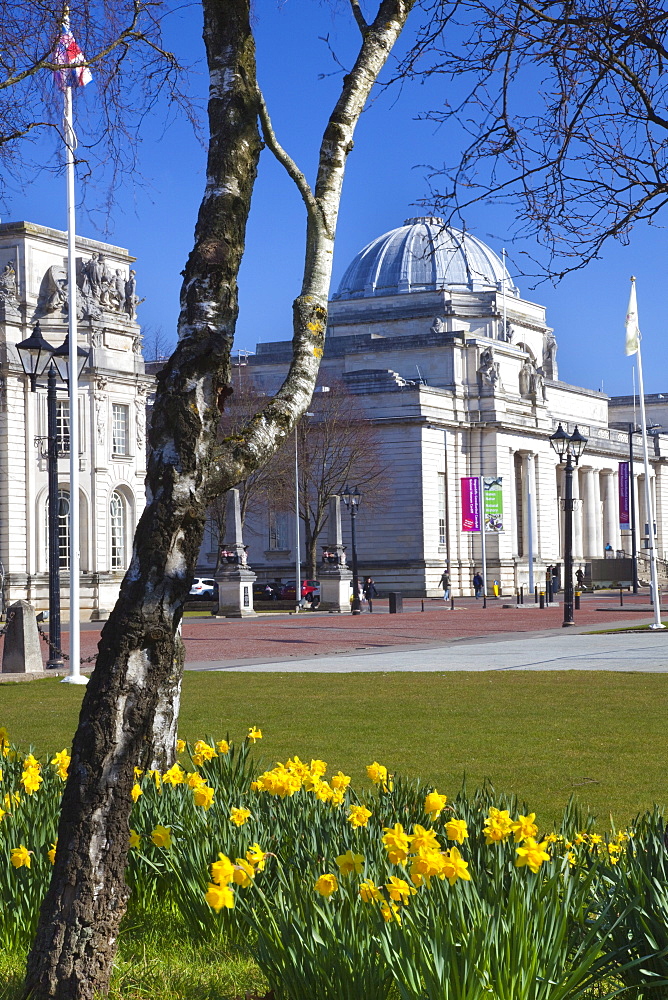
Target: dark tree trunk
{"x":78,"y":929}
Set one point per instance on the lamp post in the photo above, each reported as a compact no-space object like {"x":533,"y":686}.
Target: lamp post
{"x":37,"y":358}
{"x":351,"y":499}
{"x":569,"y":448}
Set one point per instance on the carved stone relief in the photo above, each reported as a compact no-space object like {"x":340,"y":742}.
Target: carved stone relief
{"x":9,"y":302}
{"x":100,"y":408}
{"x":489,"y":369}
{"x":100,"y":290}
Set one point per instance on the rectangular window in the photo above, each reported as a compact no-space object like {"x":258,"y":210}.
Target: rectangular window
{"x":278,"y":531}
{"x":63,"y":426}
{"x":441,"y":508}
{"x":120,"y":442}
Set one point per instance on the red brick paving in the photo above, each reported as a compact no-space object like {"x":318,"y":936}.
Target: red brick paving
{"x":279,"y":637}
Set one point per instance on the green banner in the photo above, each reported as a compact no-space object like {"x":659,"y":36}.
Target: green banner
{"x":492,"y":491}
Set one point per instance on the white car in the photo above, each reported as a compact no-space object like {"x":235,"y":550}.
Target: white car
{"x":204,"y":588}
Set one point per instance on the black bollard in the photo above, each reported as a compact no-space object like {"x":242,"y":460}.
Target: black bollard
{"x":577,"y":600}
{"x":517,"y":598}
{"x":422,"y":606}
{"x":484,"y":600}
{"x":549,"y":594}
{"x":542,"y":599}
{"x":535,"y":595}
{"x":452,"y":604}
{"x":621,"y":597}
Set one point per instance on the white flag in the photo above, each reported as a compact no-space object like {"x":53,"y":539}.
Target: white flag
{"x":632,"y":329}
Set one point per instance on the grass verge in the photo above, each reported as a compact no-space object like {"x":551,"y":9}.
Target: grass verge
{"x":541,"y":735}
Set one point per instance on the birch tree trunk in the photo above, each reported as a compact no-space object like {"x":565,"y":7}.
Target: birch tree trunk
{"x":137,"y":670}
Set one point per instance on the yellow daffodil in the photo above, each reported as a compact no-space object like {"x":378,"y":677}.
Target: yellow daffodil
{"x":498,"y":826}
{"x":358,"y":816}
{"x":239,"y":815}
{"x":318,"y":767}
{"x":434,"y":804}
{"x":202,"y":751}
{"x":340,"y":781}
{"x":61,"y":762}
{"x":223,"y":746}
{"x":377,"y":773}
{"x":195,"y":780}
{"x":174,"y":776}
{"x":397,"y":844}
{"x":399,"y":890}
{"x":425,"y":865}
{"x":524,"y":827}
{"x":243,"y":873}
{"x":256,"y":856}
{"x":390,"y":911}
{"x":531,"y":854}
{"x":203,"y":796}
{"x":350,"y":864}
{"x":51,"y":853}
{"x":31,"y":761}
{"x":423,"y":839}
{"x":136,"y":792}
{"x":162,"y":836}
{"x":219,"y":896}
{"x":180,"y":746}
{"x":31,"y":779}
{"x":456,"y":829}
{"x":326,"y":885}
{"x":20,"y":857}
{"x":134,"y":840}
{"x":254,"y":734}
{"x":222,"y":870}
{"x":157,"y":777}
{"x":369,"y":892}
{"x":455,"y":867}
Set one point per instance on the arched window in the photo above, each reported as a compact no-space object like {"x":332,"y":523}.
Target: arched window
{"x":118,"y":533}
{"x":63,"y":529}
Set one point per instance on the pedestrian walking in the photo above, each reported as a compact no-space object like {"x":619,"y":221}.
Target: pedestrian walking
{"x":580,"y":577}
{"x":445,"y":583}
{"x":369,"y":589}
{"x":478,"y":585}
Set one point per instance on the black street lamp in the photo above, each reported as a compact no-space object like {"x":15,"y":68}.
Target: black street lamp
{"x":569,"y":449}
{"x":37,"y":357}
{"x":351,"y":499}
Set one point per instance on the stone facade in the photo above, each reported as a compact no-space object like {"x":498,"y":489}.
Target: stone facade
{"x":112,"y":413}
{"x":459,"y":375}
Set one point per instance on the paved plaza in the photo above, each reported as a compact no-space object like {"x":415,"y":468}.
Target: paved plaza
{"x":499,"y":637}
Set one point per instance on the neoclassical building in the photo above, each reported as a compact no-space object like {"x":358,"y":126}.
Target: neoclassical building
{"x":111,"y":414}
{"x":458,"y":372}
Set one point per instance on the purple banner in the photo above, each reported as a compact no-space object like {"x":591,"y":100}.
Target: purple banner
{"x":471,"y":520}
{"x":624,"y":499}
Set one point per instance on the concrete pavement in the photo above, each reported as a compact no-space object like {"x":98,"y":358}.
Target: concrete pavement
{"x":553,"y":650}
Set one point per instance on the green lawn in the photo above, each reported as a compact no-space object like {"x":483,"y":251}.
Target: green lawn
{"x":543,"y":735}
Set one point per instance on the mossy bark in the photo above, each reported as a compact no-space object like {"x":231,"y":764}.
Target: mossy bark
{"x":78,"y":930}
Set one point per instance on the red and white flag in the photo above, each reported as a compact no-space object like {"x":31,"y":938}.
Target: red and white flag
{"x":68,"y":55}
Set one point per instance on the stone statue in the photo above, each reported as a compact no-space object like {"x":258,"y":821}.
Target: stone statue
{"x":54,"y":296}
{"x":140,"y":415}
{"x":550,"y":356}
{"x":526,"y":373}
{"x":118,"y":291}
{"x":438,"y":326}
{"x":489,"y":368}
{"x":9,"y":302}
{"x":130,"y":296}
{"x":100,"y":408}
{"x":8,"y":283}
{"x":538,"y":384}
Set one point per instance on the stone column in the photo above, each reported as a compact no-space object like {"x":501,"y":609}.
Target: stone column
{"x":335,"y":576}
{"x":529,"y":501}
{"x":578,"y":550}
{"x":235,"y":578}
{"x":589,"y":514}
{"x":598,"y":515}
{"x":610,"y":510}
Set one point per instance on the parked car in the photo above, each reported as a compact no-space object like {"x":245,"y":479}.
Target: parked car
{"x":204,"y":589}
{"x":263,"y":591}
{"x":310,"y":591}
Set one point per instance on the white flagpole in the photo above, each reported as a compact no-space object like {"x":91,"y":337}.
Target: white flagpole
{"x":649,"y":507}
{"x":503,"y":257}
{"x":74,"y":676}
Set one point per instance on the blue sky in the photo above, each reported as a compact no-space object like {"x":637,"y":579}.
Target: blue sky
{"x":385,"y":178}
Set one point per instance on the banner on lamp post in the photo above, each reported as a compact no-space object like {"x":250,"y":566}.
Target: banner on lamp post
{"x":624,"y":497}
{"x":492,"y":494}
{"x":470,"y":491}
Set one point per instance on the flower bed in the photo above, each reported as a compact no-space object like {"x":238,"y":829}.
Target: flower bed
{"x":346,"y":891}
